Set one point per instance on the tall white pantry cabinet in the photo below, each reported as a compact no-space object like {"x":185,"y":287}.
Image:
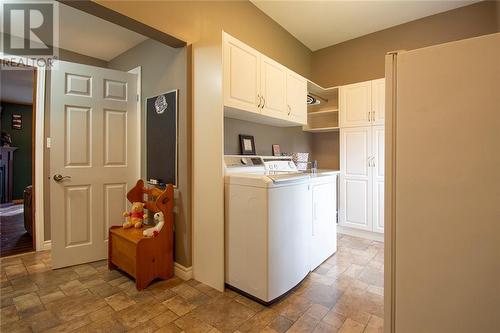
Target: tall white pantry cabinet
{"x":361,"y":115}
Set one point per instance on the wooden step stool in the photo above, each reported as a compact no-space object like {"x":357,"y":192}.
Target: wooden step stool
{"x":145,"y":258}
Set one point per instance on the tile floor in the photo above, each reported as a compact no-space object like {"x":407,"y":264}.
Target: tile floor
{"x":345,"y":294}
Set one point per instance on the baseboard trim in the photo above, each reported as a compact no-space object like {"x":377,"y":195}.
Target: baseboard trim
{"x":185,"y":273}
{"x":360,"y":233}
{"x":47,"y":245}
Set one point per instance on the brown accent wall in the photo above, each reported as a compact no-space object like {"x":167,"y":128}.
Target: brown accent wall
{"x":78,"y":58}
{"x":325,"y":149}
{"x":290,"y":139}
{"x":362,"y":58}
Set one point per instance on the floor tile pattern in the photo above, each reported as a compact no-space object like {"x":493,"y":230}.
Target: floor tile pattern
{"x":345,"y":294}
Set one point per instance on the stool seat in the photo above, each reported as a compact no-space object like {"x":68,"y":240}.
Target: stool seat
{"x":145,"y":258}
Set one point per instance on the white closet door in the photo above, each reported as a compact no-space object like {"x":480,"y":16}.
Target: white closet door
{"x":273,"y":88}
{"x":378,"y":177}
{"x":355,"y":104}
{"x":378,"y":101}
{"x":241,"y":75}
{"x":355,"y":178}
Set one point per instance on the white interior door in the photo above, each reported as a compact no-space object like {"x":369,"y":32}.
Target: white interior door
{"x":355,"y":178}
{"x":355,"y":104}
{"x":378,"y":101}
{"x":273,"y":88}
{"x":93,"y":127}
{"x":378,"y":177}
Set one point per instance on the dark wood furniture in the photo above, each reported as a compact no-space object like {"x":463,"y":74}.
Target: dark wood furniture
{"x":145,"y":258}
{"x":6,"y":172}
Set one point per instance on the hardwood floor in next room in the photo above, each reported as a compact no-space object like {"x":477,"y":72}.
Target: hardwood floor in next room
{"x":14,"y":238}
{"x":345,"y":294}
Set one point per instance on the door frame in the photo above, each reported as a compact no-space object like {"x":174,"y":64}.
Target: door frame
{"x":38,"y":138}
{"x":138,"y":71}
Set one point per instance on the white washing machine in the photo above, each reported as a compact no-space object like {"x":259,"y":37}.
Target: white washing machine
{"x":267,"y":220}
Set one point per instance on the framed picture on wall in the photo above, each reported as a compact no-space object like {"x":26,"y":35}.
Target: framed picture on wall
{"x":17,"y":121}
{"x":161,"y":137}
{"x":247,"y":144}
{"x":276,"y":150}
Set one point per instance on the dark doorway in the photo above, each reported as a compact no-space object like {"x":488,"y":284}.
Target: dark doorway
{"x":17,"y":124}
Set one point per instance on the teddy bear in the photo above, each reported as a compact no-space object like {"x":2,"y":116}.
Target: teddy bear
{"x":135,"y":216}
{"x":154,"y":231}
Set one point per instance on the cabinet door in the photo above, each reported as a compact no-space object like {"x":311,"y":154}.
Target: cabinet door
{"x":296,"y":97}
{"x":355,"y":104}
{"x":378,"y":177}
{"x":273,"y":88}
{"x":355,"y":178}
{"x":241,"y":79}
{"x":324,"y":229}
{"x":378,"y":101}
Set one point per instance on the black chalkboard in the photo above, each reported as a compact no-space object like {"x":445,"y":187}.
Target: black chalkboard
{"x":161,"y":137}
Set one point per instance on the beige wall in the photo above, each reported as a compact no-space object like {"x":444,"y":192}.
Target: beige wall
{"x":362,"y":58}
{"x":201,"y":24}
{"x":193,"y":21}
{"x":163,"y":69}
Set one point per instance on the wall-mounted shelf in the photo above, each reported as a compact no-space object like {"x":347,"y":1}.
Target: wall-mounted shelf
{"x":323,"y":117}
{"x":320,"y":129}
{"x":314,"y":113}
{"x":323,"y":93}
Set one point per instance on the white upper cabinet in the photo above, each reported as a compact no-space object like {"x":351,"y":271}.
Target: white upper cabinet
{"x":296,"y":97}
{"x":362,"y":104}
{"x":259,"y":89}
{"x":273,"y":87}
{"x":378,"y":102}
{"x":241,"y":75}
{"x":355,"y":104}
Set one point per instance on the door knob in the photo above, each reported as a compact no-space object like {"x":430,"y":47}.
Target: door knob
{"x":59,"y":177}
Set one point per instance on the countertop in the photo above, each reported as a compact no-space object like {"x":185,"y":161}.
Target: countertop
{"x":322,"y":172}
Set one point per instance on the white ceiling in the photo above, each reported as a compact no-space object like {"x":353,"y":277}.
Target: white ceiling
{"x":16,"y":86}
{"x":89,"y":35}
{"x":318,"y":24}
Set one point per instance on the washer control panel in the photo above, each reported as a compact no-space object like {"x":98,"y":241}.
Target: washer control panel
{"x":279,"y":164}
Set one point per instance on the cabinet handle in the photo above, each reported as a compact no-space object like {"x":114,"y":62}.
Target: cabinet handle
{"x":289,"y":109}
{"x":369,"y":116}
{"x":373,"y":116}
{"x":373,"y":161}
{"x":263,"y":104}
{"x":260,"y":100}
